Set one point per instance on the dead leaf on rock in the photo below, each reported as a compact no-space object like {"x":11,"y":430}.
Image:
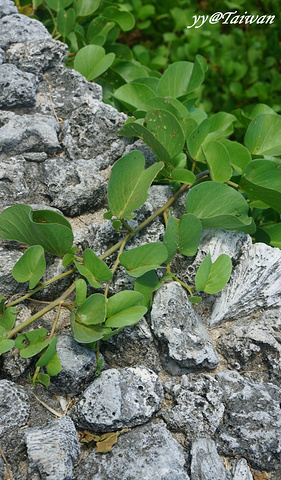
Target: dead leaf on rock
{"x":104,"y":442}
{"x":260,"y":476}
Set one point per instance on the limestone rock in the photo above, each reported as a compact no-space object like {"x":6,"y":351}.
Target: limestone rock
{"x":14,"y":406}
{"x":17,"y":89}
{"x":7,"y":7}
{"x":8,"y":258}
{"x":254,"y":285}
{"x":119,"y":399}
{"x":180,"y":329}
{"x":53,"y":450}
{"x":252,"y":420}
{"x":197,"y":408}
{"x":242,"y":470}
{"x":17,"y":28}
{"x":206,"y":463}
{"x":144,"y":453}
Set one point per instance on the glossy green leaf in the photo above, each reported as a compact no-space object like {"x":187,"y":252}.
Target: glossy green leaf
{"x":146,"y":285}
{"x":44,"y":378}
{"x":190,"y":230}
{"x":140,"y":260}
{"x":31,"y":266}
{"x":262,"y":180}
{"x":197,"y":137}
{"x":218,"y":161}
{"x":84,"y":8}
{"x":129,"y":71}
{"x":182,"y":175}
{"x":96,"y":266}
{"x":93,"y":310}
{"x":219,"y":206}
{"x":123,"y":300}
{"x":203,"y":273}
{"x":126,"y":317}
{"x":171,"y":236}
{"x":54,"y":365}
{"x":129,"y":183}
{"x":181,"y":78}
{"x":33,"y":342}
{"x":238,"y":154}
{"x":219,"y":274}
{"x":5,"y":344}
{"x":88,"y":275}
{"x":65,"y":21}
{"x":47,"y":355}
{"x":274,"y":232}
{"x":58,"y":4}
{"x":263,"y":136}
{"x":81,"y":291}
{"x":166,"y":129}
{"x":91,"y":61}
{"x":133,"y":95}
{"x":125,"y":20}
{"x":87,"y":333}
{"x":195,"y":300}
{"x":2,"y":302}
{"x":8,"y":318}
{"x":43,"y":227}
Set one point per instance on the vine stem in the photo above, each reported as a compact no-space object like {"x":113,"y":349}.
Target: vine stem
{"x":189,"y":289}
{"x":124,"y":241}
{"x":42,"y":312}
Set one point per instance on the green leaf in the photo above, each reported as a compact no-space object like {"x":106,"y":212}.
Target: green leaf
{"x":219,"y":206}
{"x":91,"y":61}
{"x":44,"y":378}
{"x":197,"y":137}
{"x":54,"y":365}
{"x":5,"y":344}
{"x":8,"y":318}
{"x":65,"y":21}
{"x":2,"y":303}
{"x":239,"y":155}
{"x":88,"y":275}
{"x":47,"y":355}
{"x":132,"y":95}
{"x":93,"y":310}
{"x":140,"y":260}
{"x":146,"y":285}
{"x":33,"y":342}
{"x":125,"y":20}
{"x":181,"y":78}
{"x":166,"y":129}
{"x":123,"y":300}
{"x":203,"y":273}
{"x":183,"y":176}
{"x":81,"y":291}
{"x":218,"y":161}
{"x":126,"y":317}
{"x":129,"y":71}
{"x":263,"y":136}
{"x":274,"y":232}
{"x":195,"y":300}
{"x":42,"y":227}
{"x":58,"y":4}
{"x":190,"y":230}
{"x":87,"y":333}
{"x":129,"y":183}
{"x":219,"y":274}
{"x":84,"y":8}
{"x":96,"y":266}
{"x":170,"y":239}
{"x":262,"y":180}
{"x":31,"y":266}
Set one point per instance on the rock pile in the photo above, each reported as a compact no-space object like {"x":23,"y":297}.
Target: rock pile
{"x":194,"y":394}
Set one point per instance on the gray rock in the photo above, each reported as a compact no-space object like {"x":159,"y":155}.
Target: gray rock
{"x":254,"y":346}
{"x":252,"y":420}
{"x":25,"y":133}
{"x":118,"y":399}
{"x":14,"y":406}
{"x":197,"y":407}
{"x":17,"y":89}
{"x":254,"y":285}
{"x":35,"y":156}
{"x":2,"y":56}
{"x":242,"y":470}
{"x":78,"y":364}
{"x":7,"y":8}
{"x":17,"y":28}
{"x":180,"y":329}
{"x":36,"y":57}
{"x":206,"y":463}
{"x":14,"y":181}
{"x":8,"y":258}
{"x":53,"y":450}
{"x":144,"y":453}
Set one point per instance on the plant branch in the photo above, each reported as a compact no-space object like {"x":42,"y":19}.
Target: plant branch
{"x":125,"y":239}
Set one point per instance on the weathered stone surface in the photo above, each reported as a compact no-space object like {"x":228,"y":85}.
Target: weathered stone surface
{"x":197,"y":408}
{"x":242,"y":470}
{"x":180,"y":329}
{"x":144,"y":453}
{"x":7,"y":8}
{"x":17,"y":89}
{"x":206,"y":463}
{"x":118,"y":399}
{"x":254,"y":345}
{"x":14,"y":406}
{"x":8,"y":258}
{"x":78,"y":364}
{"x":53,"y":450}
{"x":254,"y":285}
{"x":19,"y":29}
{"x":36,"y":57}
{"x":25,"y":133}
{"x":252,"y":420}
{"x":2,"y":56}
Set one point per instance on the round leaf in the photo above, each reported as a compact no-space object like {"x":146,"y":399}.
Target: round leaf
{"x":190,"y":230}
{"x":140,"y":260}
{"x":91,"y":61}
{"x":93,"y":310}
{"x":126,"y":317}
{"x":122,"y":300}
{"x":31,"y":266}
{"x":84,"y":8}
{"x":264,"y":135}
